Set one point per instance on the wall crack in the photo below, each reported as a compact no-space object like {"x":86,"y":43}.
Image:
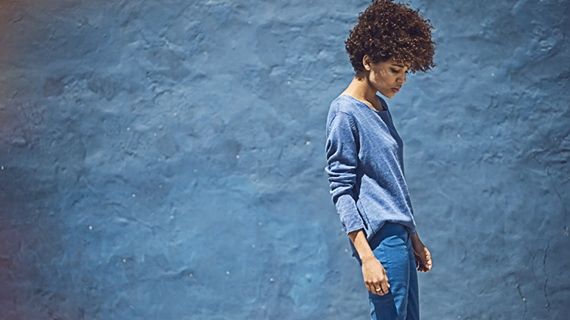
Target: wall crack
{"x":546,"y":275}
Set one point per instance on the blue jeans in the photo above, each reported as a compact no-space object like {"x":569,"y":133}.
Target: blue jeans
{"x":393,"y":248}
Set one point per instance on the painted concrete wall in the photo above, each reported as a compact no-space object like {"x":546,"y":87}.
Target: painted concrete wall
{"x":164,"y":160}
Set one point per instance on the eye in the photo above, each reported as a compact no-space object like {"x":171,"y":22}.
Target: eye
{"x":394,"y":70}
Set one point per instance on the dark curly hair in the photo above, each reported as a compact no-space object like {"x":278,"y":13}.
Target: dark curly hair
{"x":387,"y":30}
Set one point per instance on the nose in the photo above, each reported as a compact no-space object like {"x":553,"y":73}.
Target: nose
{"x":402,"y":79}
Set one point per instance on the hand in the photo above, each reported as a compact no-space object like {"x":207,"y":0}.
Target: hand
{"x":422,"y":255}
{"x":374,"y":276}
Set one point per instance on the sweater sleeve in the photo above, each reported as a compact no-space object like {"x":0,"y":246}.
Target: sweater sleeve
{"x":342,"y":158}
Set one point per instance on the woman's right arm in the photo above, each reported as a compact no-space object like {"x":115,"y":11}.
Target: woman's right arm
{"x":342,"y":157}
{"x":373,"y":272}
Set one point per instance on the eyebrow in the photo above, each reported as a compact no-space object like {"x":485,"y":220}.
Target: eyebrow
{"x":398,"y":65}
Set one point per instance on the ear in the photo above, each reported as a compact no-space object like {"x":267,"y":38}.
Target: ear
{"x":367,"y":62}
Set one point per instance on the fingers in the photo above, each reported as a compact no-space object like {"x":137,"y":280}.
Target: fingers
{"x":385,"y":287}
{"x":379,"y":290}
{"x":375,"y":277}
{"x":424,"y":263}
{"x":428,"y":264}
{"x":422,"y":267}
{"x":378,"y":287}
{"x":375,"y":289}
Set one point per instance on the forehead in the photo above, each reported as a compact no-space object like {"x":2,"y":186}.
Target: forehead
{"x":399,"y":63}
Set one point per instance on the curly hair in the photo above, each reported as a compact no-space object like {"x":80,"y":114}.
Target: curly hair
{"x":387,"y":30}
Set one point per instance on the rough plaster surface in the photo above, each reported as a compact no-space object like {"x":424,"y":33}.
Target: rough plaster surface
{"x":164,"y":160}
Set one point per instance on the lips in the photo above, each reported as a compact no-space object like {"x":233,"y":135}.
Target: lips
{"x":395,"y":90}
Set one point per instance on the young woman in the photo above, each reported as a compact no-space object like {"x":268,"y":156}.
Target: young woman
{"x":365,"y":157}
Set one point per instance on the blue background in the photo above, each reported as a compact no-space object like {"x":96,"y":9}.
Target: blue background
{"x":165,"y":160}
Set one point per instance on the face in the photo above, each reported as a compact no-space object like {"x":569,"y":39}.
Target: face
{"x":386,"y":77}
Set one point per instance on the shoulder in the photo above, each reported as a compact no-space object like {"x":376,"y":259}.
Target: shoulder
{"x":345,"y":104}
{"x":345,"y":107}
{"x":343,"y":114}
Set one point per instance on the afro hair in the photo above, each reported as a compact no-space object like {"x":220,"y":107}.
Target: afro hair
{"x":388,"y":30}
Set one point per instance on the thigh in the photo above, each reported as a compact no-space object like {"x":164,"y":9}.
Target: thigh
{"x":413,"y":294}
{"x":394,"y":255}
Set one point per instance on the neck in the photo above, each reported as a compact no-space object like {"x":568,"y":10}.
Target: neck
{"x":360,"y":89}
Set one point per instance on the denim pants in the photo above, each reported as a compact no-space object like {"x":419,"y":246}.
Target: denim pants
{"x":393,"y":248}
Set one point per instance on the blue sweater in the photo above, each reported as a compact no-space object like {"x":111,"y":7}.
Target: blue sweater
{"x":365,"y":167}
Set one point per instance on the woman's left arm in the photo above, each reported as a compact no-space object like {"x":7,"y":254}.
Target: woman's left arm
{"x":421,"y":253}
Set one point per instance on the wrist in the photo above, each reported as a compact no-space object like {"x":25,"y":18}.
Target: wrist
{"x":367,"y":257}
{"x":417,"y":244}
{"x":415,"y":238}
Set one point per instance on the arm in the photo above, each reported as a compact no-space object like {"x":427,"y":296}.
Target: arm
{"x":373,"y":272}
{"x":342,"y":159}
{"x":421,"y":253}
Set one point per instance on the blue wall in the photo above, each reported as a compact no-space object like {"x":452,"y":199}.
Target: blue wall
{"x":164,"y":160}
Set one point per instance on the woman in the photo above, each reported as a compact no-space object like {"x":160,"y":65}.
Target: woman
{"x":364,"y":153}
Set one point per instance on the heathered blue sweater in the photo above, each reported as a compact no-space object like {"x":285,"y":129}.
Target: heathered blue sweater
{"x":365,"y":167}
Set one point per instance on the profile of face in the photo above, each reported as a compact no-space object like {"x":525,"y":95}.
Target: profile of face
{"x":386,"y":77}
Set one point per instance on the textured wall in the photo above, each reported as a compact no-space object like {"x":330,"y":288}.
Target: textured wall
{"x":164,"y":160}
